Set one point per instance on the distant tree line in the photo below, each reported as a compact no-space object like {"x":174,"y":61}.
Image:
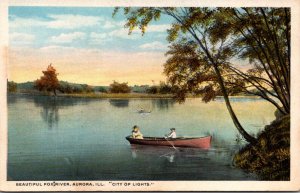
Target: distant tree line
{"x":162,"y":88}
{"x":68,"y":88}
{"x":50,"y":83}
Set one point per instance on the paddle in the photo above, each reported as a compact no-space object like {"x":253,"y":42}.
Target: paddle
{"x":171,"y":144}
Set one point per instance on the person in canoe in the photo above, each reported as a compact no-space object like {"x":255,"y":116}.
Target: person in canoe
{"x":136,"y":133}
{"x":172,"y":134}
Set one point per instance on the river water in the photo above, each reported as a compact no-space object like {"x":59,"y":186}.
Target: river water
{"x":84,"y":139}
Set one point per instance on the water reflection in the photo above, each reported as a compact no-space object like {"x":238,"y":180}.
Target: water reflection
{"x":170,"y":156}
{"x":51,"y":105}
{"x":240,"y":99}
{"x":163,"y":104}
{"x":221,"y":151}
{"x":102,"y":153}
{"x":160,"y":152}
{"x":11,"y":98}
{"x":119,"y":103}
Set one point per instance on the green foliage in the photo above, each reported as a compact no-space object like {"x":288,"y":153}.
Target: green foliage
{"x":165,"y":88}
{"x":153,"y":90}
{"x":270,"y":157}
{"x":162,"y":88}
{"x":140,"y":89}
{"x":11,"y":86}
{"x":102,"y":89}
{"x":116,"y":87}
{"x":69,"y":88}
{"x":188,"y":70}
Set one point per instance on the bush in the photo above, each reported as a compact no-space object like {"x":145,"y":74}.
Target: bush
{"x":152,"y":90}
{"x":116,"y":87}
{"x":270,"y":157}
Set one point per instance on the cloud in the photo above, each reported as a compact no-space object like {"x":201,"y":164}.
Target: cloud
{"x":112,"y":24}
{"x":157,"y":28}
{"x":123,"y":33}
{"x":98,"y":38}
{"x":65,"y":21}
{"x":21,"y":38}
{"x":18,"y":22}
{"x":67,"y":38}
{"x":154,"y":46}
{"x":69,"y":21}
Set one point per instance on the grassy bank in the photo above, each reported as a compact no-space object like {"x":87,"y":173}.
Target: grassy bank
{"x":270,"y":157}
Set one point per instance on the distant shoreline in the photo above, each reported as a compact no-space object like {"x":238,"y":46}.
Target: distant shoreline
{"x":117,"y":95}
{"x":100,"y":95}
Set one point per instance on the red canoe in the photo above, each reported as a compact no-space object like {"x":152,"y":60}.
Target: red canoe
{"x":199,"y":142}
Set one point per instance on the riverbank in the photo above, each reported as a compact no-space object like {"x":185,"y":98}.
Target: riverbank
{"x":101,"y":95}
{"x":117,"y":95}
{"x":120,"y":95}
{"x":270,"y":157}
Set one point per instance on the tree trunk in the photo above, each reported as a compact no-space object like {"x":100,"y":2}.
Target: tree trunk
{"x":235,"y":120}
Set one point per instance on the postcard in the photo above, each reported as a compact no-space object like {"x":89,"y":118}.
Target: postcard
{"x":149,"y":95}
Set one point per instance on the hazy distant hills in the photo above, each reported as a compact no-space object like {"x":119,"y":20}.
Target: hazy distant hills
{"x":30,"y":86}
{"x":25,"y":86}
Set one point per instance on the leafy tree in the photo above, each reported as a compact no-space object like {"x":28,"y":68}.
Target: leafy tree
{"x":48,"y":82}
{"x":117,"y":87}
{"x":262,"y":37}
{"x":152,"y":90}
{"x":87,"y":88}
{"x":164,"y":88}
{"x":11,"y":86}
{"x":214,"y":36}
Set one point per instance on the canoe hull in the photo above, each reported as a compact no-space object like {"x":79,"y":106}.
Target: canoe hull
{"x":201,"y":142}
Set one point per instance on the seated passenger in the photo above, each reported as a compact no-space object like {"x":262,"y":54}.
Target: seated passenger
{"x":136,"y":134}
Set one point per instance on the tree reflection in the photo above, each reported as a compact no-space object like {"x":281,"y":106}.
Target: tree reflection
{"x":51,"y":105}
{"x":11,"y":98}
{"x":163,"y":104}
{"x":119,"y":103}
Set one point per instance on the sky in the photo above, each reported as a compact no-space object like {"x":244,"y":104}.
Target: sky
{"x":85,"y":45}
